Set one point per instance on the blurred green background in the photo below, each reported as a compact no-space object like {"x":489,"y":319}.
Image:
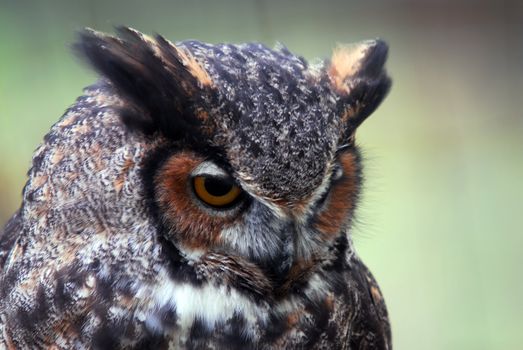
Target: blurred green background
{"x":441,"y":224}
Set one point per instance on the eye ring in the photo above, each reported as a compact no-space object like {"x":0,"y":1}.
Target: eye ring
{"x":218,"y":192}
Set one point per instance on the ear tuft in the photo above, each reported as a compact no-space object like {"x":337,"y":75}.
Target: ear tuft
{"x":357,"y":74}
{"x":169,"y":50}
{"x":164,"y":82}
{"x":352,"y":61}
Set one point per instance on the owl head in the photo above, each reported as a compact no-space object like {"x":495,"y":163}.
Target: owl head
{"x":232,"y":168}
{"x":244,"y":150}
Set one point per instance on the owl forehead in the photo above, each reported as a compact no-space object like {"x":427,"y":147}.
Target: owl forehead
{"x":275,"y":117}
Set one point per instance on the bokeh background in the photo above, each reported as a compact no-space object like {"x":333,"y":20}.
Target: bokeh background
{"x":441,"y":224}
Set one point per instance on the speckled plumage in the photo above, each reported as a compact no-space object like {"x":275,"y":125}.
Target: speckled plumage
{"x":112,"y":249}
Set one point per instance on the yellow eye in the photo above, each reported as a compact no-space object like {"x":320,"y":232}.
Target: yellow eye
{"x":215,"y":191}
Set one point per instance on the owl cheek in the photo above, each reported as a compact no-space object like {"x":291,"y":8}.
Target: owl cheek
{"x":186,"y":222}
{"x":341,"y":201}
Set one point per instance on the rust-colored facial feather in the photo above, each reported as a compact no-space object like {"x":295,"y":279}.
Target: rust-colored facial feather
{"x":194,"y":227}
{"x":341,"y":198}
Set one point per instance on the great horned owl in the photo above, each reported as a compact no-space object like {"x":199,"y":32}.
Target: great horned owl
{"x":198,"y":196}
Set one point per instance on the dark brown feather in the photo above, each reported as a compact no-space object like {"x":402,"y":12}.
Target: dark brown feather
{"x":8,"y":237}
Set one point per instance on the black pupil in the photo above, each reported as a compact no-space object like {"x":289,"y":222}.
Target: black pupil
{"x":217,"y":187}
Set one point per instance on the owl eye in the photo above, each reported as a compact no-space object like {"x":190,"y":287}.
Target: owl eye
{"x":216,"y":191}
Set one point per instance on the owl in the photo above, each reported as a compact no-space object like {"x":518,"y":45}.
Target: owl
{"x":198,"y":196}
